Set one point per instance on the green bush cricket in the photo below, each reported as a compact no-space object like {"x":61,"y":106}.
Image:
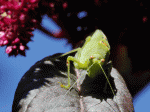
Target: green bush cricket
{"x":91,"y":57}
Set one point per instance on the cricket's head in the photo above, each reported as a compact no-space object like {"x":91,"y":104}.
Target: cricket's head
{"x":100,"y":37}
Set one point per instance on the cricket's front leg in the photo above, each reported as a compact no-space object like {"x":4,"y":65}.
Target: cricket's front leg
{"x":70,"y":58}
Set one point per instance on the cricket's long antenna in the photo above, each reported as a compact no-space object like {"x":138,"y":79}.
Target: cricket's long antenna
{"x":107,"y":80}
{"x":69,"y":90}
{"x":72,"y":86}
{"x":80,"y":78}
{"x":109,"y":84}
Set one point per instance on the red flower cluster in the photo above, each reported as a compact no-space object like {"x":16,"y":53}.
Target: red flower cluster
{"x":16,"y":24}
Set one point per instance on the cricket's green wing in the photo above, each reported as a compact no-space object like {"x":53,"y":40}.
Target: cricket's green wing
{"x":97,"y":46}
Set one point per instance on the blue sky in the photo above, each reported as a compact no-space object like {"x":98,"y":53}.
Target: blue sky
{"x":12,"y":69}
